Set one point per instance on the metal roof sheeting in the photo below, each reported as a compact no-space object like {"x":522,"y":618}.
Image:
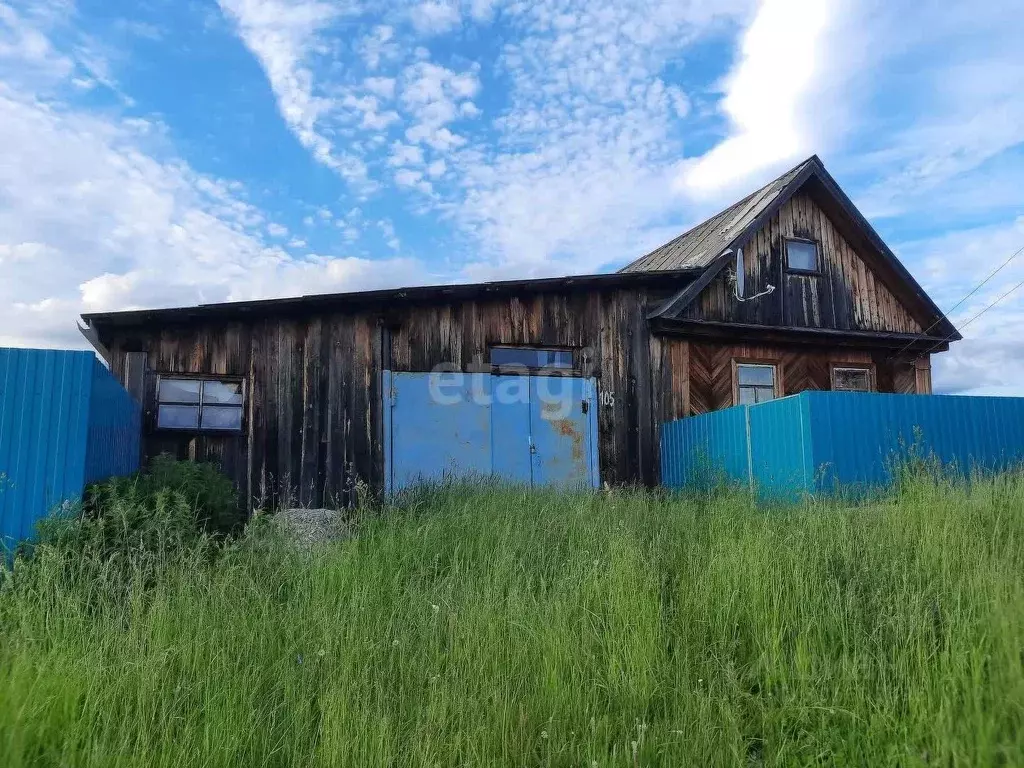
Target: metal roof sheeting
{"x":700,"y":246}
{"x":390,"y":296}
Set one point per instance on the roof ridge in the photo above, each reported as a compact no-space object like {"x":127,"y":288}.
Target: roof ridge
{"x":678,"y":249}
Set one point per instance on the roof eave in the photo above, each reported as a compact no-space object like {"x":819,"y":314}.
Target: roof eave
{"x":711,"y":329}
{"x":405,"y":295}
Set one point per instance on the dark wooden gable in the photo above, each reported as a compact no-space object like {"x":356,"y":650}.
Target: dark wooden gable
{"x":847,"y":292}
{"x":861,"y":287}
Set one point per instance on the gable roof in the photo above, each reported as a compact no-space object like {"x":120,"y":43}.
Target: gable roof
{"x":700,"y":246}
{"x":705,"y":246}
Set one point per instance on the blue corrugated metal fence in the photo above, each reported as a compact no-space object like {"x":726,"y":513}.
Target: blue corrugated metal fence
{"x":115,"y":427}
{"x":822,"y":442}
{"x":64,"y":422}
{"x":703,"y":450}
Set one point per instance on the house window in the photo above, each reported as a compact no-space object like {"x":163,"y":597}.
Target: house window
{"x":851,"y":379}
{"x":199,"y":404}
{"x":801,"y":255}
{"x":532,"y":357}
{"x":755,"y":383}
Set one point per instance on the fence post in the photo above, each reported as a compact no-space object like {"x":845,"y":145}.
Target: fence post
{"x":750,"y":457}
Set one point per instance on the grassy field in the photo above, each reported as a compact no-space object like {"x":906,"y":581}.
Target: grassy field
{"x":479,"y":628}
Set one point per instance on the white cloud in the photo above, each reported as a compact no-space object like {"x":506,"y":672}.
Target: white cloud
{"x":405,"y":154}
{"x":28,"y":58}
{"x":339,"y":116}
{"x":434,"y":17}
{"x":411,"y":179}
{"x":380,"y":86}
{"x":437,"y":169}
{"x":482,"y":10}
{"x":961,"y":111}
{"x":585,"y":147}
{"x":430,"y":94}
{"x":580,"y":175}
{"x":439,"y":139}
{"x":326,"y":274}
{"x":25,"y":45}
{"x":368,"y":107}
{"x":378,"y":46}
{"x":90,"y":220}
{"x":284,"y":36}
{"x":97,"y":213}
{"x":387,"y":229}
{"x":769,"y":95}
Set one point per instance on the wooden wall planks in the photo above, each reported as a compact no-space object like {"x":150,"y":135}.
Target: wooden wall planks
{"x":314,"y":411}
{"x":845,"y":295}
{"x":712,"y":381}
{"x":312,"y":431}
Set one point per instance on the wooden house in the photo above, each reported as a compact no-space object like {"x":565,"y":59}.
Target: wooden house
{"x":306,"y":400}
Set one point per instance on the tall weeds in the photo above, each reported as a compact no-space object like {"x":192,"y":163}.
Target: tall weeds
{"x":499,"y":627}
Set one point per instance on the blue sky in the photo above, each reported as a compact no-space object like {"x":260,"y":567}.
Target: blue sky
{"x":168,"y":152}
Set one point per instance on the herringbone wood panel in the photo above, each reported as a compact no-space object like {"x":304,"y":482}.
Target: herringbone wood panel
{"x":711,"y":371}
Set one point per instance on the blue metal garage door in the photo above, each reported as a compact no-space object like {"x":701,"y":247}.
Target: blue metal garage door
{"x":535,"y":430}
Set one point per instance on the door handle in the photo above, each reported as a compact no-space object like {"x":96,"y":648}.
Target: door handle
{"x":586,"y":406}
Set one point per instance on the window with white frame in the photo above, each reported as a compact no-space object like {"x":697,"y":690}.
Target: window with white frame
{"x":851,"y":379}
{"x":755,"y":383}
{"x":213,"y":405}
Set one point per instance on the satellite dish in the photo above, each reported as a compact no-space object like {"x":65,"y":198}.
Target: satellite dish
{"x":740,"y":277}
{"x":740,"y":281}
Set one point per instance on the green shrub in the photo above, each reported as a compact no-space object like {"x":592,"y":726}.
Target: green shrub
{"x":171,"y":510}
{"x":208,"y":492}
{"x":130,"y":522}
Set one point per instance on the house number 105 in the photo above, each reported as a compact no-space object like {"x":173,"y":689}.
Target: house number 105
{"x":606,"y":398}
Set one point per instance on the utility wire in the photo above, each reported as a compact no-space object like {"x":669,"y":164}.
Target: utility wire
{"x":945,"y":315}
{"x":982,"y":312}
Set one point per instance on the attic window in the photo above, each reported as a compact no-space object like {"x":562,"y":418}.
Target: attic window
{"x":801,"y":255}
{"x":213,"y":405}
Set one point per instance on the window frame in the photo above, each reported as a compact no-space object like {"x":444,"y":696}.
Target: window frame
{"x":860,"y":367}
{"x":202,"y":378}
{"x":775,"y":365}
{"x":550,"y":370}
{"x":817,"y":256}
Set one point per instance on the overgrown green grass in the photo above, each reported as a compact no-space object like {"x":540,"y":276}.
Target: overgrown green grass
{"x":497,"y":627}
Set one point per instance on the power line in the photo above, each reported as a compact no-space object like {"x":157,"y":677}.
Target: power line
{"x":945,"y":315}
{"x":982,"y":312}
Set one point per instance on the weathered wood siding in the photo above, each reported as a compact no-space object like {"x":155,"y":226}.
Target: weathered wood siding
{"x":712,"y":380}
{"x":312,"y":432}
{"x":313,"y":409}
{"x":312,"y":395}
{"x":845,"y":295}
